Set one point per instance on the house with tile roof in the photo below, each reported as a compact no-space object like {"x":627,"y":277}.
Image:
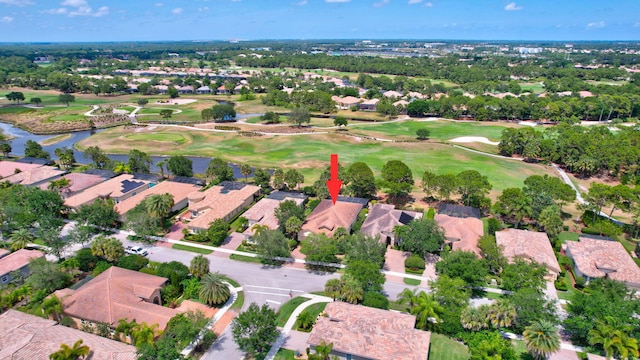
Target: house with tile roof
{"x":35,"y":176}
{"x":8,"y":168}
{"x":326,"y":218}
{"x":264,"y":213}
{"x":346,"y":102}
{"x":179,"y":191}
{"x":531,"y":245}
{"x":116,"y":294}
{"x":361,"y":332}
{"x":77,"y":183}
{"x":382,"y":220}
{"x":223,"y":201}
{"x":203,"y":90}
{"x":601,"y":258}
{"x":461,"y":233}
{"x":17,"y":261}
{"x":118,"y":188}
{"x":29,"y":337}
{"x":369,"y":105}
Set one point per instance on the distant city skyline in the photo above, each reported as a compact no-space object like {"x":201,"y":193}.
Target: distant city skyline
{"x":157,"y":20}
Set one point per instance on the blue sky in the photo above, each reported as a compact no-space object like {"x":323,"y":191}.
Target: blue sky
{"x":122,"y":20}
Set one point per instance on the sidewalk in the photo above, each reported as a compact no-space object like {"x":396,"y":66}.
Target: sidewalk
{"x":315,"y":299}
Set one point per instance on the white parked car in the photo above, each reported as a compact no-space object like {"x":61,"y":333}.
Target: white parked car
{"x":136,"y":250}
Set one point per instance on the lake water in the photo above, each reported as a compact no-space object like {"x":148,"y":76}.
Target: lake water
{"x":20,"y":138}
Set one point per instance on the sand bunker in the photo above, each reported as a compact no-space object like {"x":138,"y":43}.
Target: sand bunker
{"x":175,"y":102}
{"x":468,"y":139}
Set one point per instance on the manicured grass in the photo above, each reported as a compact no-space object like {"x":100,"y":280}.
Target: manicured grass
{"x":287,"y":308}
{"x":439,"y":130}
{"x":245,"y":258}
{"x":413,"y":282}
{"x":67,"y":117}
{"x":315,"y":310}
{"x":156,"y":111}
{"x":55,"y":139}
{"x":310,"y":153}
{"x":16,"y":110}
{"x":566,"y":235}
{"x":492,"y":295}
{"x":533,"y":87}
{"x":237,"y":305}
{"x":285,"y":354}
{"x":444,"y":348}
{"x":176,"y":139}
{"x":191,"y":248}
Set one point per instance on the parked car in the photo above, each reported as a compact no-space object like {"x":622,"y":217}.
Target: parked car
{"x":136,"y":250}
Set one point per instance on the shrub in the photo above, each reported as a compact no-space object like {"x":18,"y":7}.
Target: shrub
{"x":493,"y":225}
{"x":170,"y":293}
{"x":101,"y":266}
{"x":86,"y":260}
{"x":133,"y":262}
{"x":561,"y":284}
{"x":580,"y":282}
{"x":414,"y":263}
{"x":68,"y":322}
{"x":375,"y":300}
{"x":292,"y":244}
{"x":431,"y":213}
{"x":603,"y":227}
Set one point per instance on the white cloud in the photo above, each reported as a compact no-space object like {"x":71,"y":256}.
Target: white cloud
{"x":203,"y":9}
{"x":413,"y":2}
{"x":58,"y":11}
{"x":428,"y":4}
{"x":16,"y":3}
{"x":177,"y":11}
{"x":74,"y":3}
{"x":6,"y":19}
{"x":102,"y":11}
{"x":596,"y":25}
{"x":381,"y":3}
{"x":158,"y":4}
{"x":513,"y":7}
{"x":337,"y":1}
{"x":301,"y":3}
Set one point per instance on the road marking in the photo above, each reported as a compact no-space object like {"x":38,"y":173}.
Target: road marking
{"x":267,"y":293}
{"x":274,"y":288}
{"x":274,"y":302}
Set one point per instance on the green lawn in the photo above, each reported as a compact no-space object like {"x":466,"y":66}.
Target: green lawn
{"x":287,"y":308}
{"x":413,"y":282}
{"x":285,"y":354}
{"x":533,"y":87}
{"x":315,"y":310}
{"x":191,"y":248}
{"x":444,"y":348}
{"x":165,"y":137}
{"x":566,"y":235}
{"x":155,"y":111}
{"x":439,"y":130}
{"x":16,"y":110}
{"x":311,"y":153}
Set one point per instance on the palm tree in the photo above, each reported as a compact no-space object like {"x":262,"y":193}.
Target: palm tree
{"x":427,"y":311}
{"x":20,"y":238}
{"x":614,"y":338}
{"x":332,"y":288}
{"x":245,"y":170}
{"x":475,"y":319}
{"x":125,"y":328}
{"x":409,"y":297}
{"x":199,"y":266}
{"x":159,"y":206}
{"x":66,"y":352}
{"x":121,"y":167}
{"x":542,"y":339}
{"x":213,"y":290}
{"x":160,"y":164}
{"x":52,"y":306}
{"x":59,"y":185}
{"x":521,"y":209}
{"x":502,"y":314}
{"x":259,"y":228}
{"x":144,"y":334}
{"x":352,"y":291}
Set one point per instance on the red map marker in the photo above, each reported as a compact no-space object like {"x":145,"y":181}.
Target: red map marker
{"x":333,"y":184}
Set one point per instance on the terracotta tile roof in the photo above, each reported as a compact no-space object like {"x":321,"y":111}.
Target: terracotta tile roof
{"x":463,"y":233}
{"x":392,"y":93}
{"x":326,"y":217}
{"x":29,"y":337}
{"x":179,"y":191}
{"x":370,"y":333}
{"x":78,"y":182}
{"x":383,"y":218}
{"x":532,"y":245}
{"x":8,"y":168}
{"x":34,"y":176}
{"x":217,"y":202}
{"x":114,"y":188}
{"x":263,"y":213}
{"x":17,"y":260}
{"x":347,"y":100}
{"x":599,"y":258}
{"x":118,"y":294}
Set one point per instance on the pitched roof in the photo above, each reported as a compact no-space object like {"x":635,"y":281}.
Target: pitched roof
{"x":18,"y":259}
{"x":8,"y":168}
{"x":35,"y":175}
{"x":179,"y":192}
{"x":116,"y":294}
{"x":327,"y":217}
{"x":218,"y":201}
{"x":263,"y":213}
{"x":370,"y":333}
{"x":463,"y":233}
{"x":29,"y":337}
{"x":114,"y":188}
{"x":528,"y":244}
{"x":78,"y":182}
{"x":383,"y":218}
{"x":599,"y":258}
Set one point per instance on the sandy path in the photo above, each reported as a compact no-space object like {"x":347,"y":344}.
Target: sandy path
{"x":468,"y":139}
{"x":176,"y":102}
